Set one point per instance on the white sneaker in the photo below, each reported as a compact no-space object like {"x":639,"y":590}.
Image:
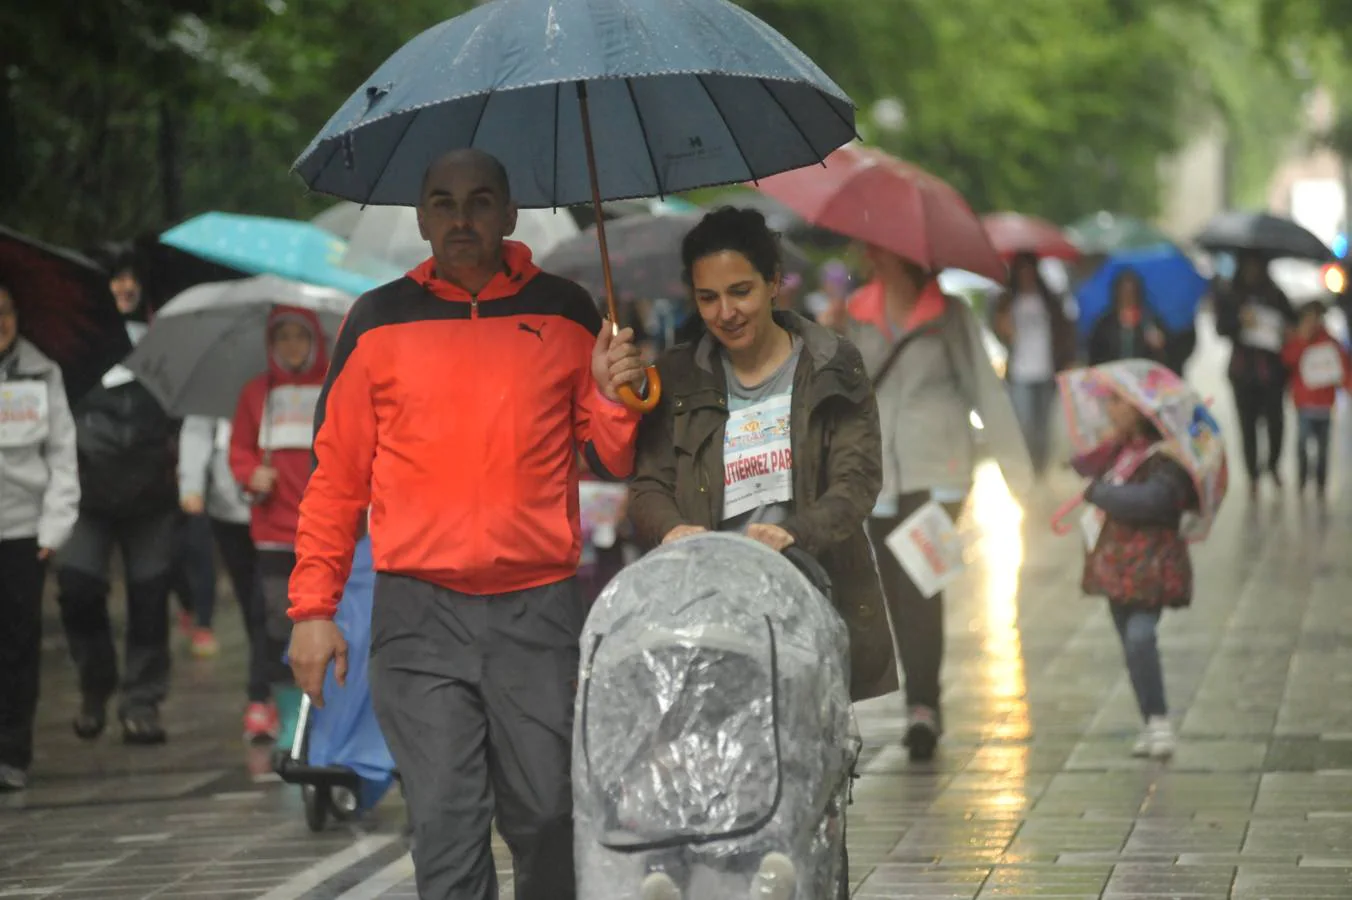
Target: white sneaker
{"x":776,"y":879}
{"x":659,"y":886}
{"x":1141,"y":749}
{"x":1161,"y":735}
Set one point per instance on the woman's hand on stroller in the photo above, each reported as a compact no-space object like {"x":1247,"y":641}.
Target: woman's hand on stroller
{"x":772,"y":536}
{"x":681,"y":531}
{"x":314,"y":644}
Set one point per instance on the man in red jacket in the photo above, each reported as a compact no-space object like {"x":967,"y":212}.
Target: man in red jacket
{"x":270,"y":458}
{"x":456,"y":401}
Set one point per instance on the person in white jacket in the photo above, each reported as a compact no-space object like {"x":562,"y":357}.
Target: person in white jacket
{"x":207,"y":487}
{"x":39,"y":503}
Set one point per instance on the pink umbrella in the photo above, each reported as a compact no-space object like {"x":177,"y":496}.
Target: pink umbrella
{"x":1014,"y":233}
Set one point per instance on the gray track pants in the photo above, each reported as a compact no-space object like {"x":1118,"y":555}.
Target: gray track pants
{"x":475,"y":697}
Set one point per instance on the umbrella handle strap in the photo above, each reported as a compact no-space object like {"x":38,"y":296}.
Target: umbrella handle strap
{"x":630,"y":398}
{"x":1061,"y":524}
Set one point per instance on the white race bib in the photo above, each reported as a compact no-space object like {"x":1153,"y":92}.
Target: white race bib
{"x":757,"y":457}
{"x":289,"y":417}
{"x":23,"y":413}
{"x":929,"y":547}
{"x":1267,"y":331}
{"x":1321,"y":366}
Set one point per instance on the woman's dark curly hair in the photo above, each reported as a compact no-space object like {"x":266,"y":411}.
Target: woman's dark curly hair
{"x":737,"y":230}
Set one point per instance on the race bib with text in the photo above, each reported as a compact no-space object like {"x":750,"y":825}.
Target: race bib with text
{"x":289,"y":417}
{"x":23,"y":413}
{"x":1321,"y":366}
{"x":757,"y":457}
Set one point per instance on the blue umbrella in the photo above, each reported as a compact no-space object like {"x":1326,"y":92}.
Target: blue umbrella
{"x":257,"y":245}
{"x":585,"y":102}
{"x":1173,"y":287}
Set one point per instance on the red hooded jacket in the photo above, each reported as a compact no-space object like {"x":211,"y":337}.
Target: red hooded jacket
{"x":273,"y":425}
{"x":1303,"y":394}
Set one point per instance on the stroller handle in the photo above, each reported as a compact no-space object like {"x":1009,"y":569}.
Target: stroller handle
{"x":807,"y":564}
{"x":1061,"y":524}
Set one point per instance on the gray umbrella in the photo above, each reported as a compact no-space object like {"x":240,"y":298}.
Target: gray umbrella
{"x":205,"y":344}
{"x":1262,"y":233}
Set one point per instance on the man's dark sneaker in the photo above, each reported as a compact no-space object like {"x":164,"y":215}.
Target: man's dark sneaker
{"x":142,"y":726}
{"x":93,"y":718}
{"x":922,"y":733}
{"x":12,"y":779}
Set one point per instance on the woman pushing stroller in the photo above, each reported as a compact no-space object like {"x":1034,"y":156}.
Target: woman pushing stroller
{"x":767,"y":425}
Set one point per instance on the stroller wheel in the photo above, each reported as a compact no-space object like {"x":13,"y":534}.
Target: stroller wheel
{"x":317,"y":805}
{"x":343,"y":804}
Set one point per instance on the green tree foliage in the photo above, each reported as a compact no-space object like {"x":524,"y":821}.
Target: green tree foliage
{"x":122,"y":116}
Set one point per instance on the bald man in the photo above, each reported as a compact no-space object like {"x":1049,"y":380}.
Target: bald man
{"x":454,"y":408}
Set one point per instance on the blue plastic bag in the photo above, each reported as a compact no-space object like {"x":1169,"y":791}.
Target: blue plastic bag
{"x":345,"y":731}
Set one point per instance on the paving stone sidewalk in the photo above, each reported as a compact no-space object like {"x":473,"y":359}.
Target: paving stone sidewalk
{"x":1034,"y":793}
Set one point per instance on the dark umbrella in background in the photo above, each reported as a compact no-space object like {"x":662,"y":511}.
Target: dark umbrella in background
{"x":645,"y":258}
{"x":1272,"y":236}
{"x":584,"y":103}
{"x":1104,"y":233}
{"x":65,"y":308}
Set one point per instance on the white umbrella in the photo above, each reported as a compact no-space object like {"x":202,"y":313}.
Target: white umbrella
{"x":389,"y":234}
{"x":205,"y":344}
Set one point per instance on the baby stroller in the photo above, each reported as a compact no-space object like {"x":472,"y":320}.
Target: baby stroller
{"x":339,"y":756}
{"x":714,"y":739}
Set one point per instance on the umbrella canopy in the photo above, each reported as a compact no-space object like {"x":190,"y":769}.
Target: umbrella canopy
{"x":681,"y":95}
{"x":1191,"y":435}
{"x":872,"y":197}
{"x":258,"y":245}
{"x":1104,"y":233}
{"x":1262,"y":233}
{"x":1173,"y":287}
{"x":65,"y":308}
{"x":1013,"y":234}
{"x":389,"y":237}
{"x":645,"y":258}
{"x":207,"y":343}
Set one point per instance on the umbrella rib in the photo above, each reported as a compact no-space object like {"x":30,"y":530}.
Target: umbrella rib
{"x":821,"y":157}
{"x":732,"y":134}
{"x":647,"y":143}
{"x":554,"y":186}
{"x":394,"y":148}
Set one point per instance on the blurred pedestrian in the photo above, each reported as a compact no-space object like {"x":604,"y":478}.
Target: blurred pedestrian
{"x":128,"y":499}
{"x":1319,"y":366}
{"x":1138,"y":559}
{"x":39,"y":503}
{"x":1129,"y":329}
{"x":456,"y":403}
{"x":1256,"y":316}
{"x":194,"y":582}
{"x":1032,"y":323}
{"x":270,"y":459}
{"x":924,"y":353}
{"x":207,"y":489}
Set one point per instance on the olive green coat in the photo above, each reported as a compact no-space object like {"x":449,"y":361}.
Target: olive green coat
{"x":837,"y":472}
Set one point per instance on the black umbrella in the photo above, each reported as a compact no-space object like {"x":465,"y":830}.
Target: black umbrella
{"x":645,"y":258}
{"x":65,"y":308}
{"x":1269,"y":235}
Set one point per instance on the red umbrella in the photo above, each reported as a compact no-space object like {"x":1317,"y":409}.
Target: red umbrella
{"x":872,"y":197}
{"x":65,"y":308}
{"x":1014,"y":233}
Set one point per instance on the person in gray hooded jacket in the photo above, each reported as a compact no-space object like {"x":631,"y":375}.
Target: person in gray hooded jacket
{"x":39,"y":503}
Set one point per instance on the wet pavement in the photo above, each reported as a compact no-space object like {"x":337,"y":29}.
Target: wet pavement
{"x":1033,"y":793}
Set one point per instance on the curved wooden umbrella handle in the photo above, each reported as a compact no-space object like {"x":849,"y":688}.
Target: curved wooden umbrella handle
{"x":630,"y":398}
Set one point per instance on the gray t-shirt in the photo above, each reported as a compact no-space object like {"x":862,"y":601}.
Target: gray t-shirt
{"x":757,"y":455}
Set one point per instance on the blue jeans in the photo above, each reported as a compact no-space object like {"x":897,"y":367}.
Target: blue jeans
{"x":1136,"y":627}
{"x":1033,"y":402}
{"x":194,"y":579}
{"x":1314,"y":425}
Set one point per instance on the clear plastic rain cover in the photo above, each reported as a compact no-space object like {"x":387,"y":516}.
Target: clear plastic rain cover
{"x":714,"y":730}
